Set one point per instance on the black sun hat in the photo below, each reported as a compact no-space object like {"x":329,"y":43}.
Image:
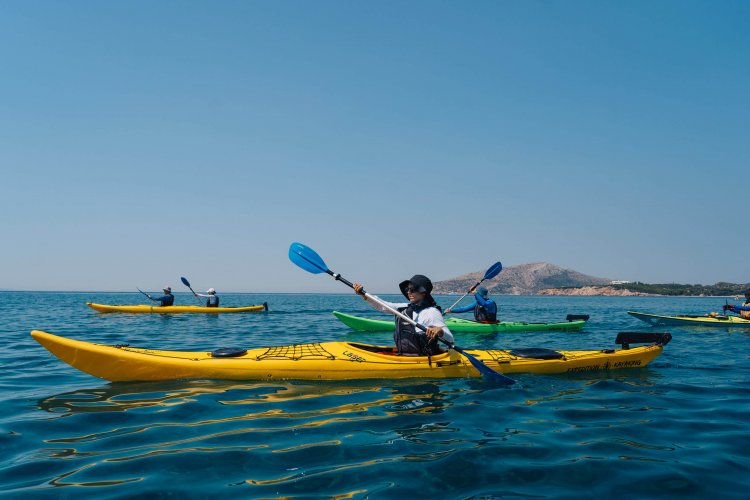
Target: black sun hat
{"x":420,"y":282}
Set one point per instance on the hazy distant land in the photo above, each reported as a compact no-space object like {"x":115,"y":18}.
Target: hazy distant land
{"x":542,"y":278}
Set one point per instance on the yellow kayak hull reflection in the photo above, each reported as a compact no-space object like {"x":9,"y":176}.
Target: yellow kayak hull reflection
{"x":319,"y":361}
{"x":104,"y":308}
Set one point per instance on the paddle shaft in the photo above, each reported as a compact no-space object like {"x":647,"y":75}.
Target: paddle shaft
{"x":144,"y":293}
{"x":467,"y":293}
{"x":187,"y":284}
{"x":196,"y":295}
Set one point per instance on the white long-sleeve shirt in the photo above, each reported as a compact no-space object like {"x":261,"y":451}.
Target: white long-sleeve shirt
{"x":215,"y":299}
{"x":428,"y":317}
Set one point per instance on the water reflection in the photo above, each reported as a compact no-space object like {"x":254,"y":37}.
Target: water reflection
{"x":293,"y":421}
{"x":128,"y":396}
{"x":285,"y":433}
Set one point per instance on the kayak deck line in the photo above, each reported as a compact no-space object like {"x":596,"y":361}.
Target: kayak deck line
{"x":336,"y":360}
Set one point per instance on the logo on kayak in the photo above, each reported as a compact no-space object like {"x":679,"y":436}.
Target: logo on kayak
{"x":606,"y":366}
{"x":354,"y":357}
{"x":626,"y":364}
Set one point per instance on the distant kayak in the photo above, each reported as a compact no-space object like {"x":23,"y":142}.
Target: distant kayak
{"x":103,"y":308}
{"x":336,"y":360}
{"x":576,"y":322}
{"x":721,"y":321}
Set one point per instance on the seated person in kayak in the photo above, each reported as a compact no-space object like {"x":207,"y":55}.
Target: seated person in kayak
{"x":165,"y":300}
{"x":485,"y":309}
{"x":744,"y":309}
{"x":410,"y":340}
{"x":212,"y":300}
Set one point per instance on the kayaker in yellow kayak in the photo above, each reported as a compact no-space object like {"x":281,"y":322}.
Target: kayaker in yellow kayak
{"x":744,"y":309}
{"x":165,"y":300}
{"x":212,"y":300}
{"x":424,"y":310}
{"x":485,"y":309}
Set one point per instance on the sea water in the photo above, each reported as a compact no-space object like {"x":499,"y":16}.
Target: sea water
{"x":678,"y":427}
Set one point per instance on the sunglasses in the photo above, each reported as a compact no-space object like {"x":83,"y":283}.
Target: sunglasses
{"x":411,"y":289}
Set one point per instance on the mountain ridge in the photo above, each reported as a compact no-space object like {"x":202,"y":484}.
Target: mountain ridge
{"x":522,"y":279}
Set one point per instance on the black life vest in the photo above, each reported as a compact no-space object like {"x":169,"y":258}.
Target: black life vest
{"x":208,"y":301}
{"x":406,"y":337}
{"x":482,"y":316}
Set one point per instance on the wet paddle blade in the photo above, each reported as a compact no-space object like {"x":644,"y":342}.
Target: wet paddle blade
{"x":485,"y":370}
{"x":185,"y":281}
{"x":306,"y":258}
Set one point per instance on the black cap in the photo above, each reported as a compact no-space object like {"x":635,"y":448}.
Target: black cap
{"x":420,"y":282}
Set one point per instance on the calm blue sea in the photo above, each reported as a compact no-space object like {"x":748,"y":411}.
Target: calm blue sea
{"x":679,"y":427}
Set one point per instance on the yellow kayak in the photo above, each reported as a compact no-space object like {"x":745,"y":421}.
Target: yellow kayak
{"x":721,"y":321}
{"x":104,"y":308}
{"x":336,"y":360}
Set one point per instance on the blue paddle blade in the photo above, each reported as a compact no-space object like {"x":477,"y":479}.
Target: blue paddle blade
{"x":485,"y":370}
{"x":493,"y":271}
{"x":306,"y":258}
{"x":185,"y":281}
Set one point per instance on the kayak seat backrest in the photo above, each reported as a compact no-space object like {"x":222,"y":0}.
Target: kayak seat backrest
{"x":536,"y":353}
{"x":627,"y":338}
{"x":228,"y":352}
{"x":577,"y":317}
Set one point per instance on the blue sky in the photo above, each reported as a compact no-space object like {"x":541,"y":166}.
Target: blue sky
{"x":143,"y":141}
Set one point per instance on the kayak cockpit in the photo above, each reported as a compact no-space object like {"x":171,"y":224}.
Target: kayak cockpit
{"x":390,"y":351}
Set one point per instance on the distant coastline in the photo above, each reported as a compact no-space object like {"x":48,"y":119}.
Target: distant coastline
{"x":589,"y":291}
{"x":621,"y":291}
{"x":542,"y":278}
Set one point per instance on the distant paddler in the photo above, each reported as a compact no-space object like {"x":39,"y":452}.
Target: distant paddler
{"x":212,"y":300}
{"x":743,"y":310}
{"x":167,"y":299}
{"x":485,"y":309}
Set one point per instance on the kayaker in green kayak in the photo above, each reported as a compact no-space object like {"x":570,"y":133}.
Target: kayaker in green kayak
{"x":485,"y":309}
{"x":165,"y":300}
{"x":212,"y":300}
{"x":424,"y":310}
{"x":744,"y":309}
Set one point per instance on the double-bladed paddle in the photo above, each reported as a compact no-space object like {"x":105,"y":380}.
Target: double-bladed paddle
{"x":187,"y":284}
{"x":306,"y":258}
{"x":493,"y":271}
{"x":144,"y":293}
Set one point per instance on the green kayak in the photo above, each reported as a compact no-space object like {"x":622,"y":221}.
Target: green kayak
{"x":720,"y":321}
{"x":573,"y":323}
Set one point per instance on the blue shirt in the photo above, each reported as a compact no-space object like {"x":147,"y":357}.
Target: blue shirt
{"x":488,"y":304}
{"x":744,"y":307}
{"x":165,"y":300}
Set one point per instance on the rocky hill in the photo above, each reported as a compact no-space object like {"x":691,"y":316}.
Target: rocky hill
{"x":525,"y":279}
